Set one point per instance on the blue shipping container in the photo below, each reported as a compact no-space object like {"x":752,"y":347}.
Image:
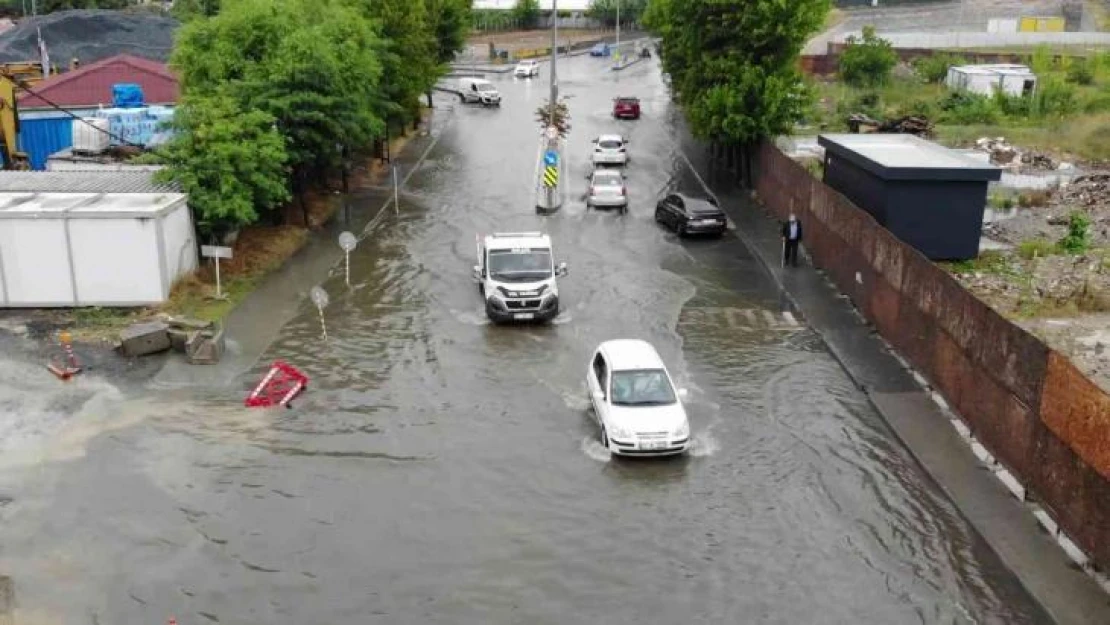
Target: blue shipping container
{"x":41,"y":137}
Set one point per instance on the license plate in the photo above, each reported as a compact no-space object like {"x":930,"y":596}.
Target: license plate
{"x":653,"y":445}
{"x":523,"y":316}
{"x":708,"y":222}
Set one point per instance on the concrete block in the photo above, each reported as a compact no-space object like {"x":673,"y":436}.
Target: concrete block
{"x":205,"y":348}
{"x":1046,"y":521}
{"x":982,"y":454}
{"x":1073,"y":550}
{"x":1011,"y":483}
{"x":961,"y":429}
{"x":178,"y":338}
{"x":185,"y":323}
{"x":142,"y":339}
{"x":7,"y":600}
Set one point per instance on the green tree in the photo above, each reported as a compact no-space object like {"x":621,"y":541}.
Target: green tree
{"x":186,"y":10}
{"x":409,"y":57}
{"x":867,"y":60}
{"x":733,"y":65}
{"x":230,"y":161}
{"x":450,"y":23}
{"x":526,"y":13}
{"x":605,"y":11}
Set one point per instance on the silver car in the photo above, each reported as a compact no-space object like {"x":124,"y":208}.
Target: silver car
{"x":607,"y":190}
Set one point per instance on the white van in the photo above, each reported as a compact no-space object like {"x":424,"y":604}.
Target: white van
{"x":479,"y":90}
{"x":516,"y":275}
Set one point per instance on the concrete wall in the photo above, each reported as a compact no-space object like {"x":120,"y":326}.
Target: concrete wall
{"x":1039,"y":416}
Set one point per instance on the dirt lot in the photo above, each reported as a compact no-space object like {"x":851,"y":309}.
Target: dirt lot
{"x":1028,"y":274}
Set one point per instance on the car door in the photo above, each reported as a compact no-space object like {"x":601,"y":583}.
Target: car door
{"x":598,"y":382}
{"x":674,"y":209}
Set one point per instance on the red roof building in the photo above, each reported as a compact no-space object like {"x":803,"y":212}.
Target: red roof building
{"x":91,"y":86}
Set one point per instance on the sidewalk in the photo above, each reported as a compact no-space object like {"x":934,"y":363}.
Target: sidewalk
{"x":1007,"y":525}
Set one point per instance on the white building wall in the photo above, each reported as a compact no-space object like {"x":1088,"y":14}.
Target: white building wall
{"x":36,"y":265}
{"x":116,"y":260}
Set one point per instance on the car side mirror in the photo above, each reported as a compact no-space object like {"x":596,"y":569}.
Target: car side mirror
{"x":561,"y":269}
{"x":683,"y":393}
{"x":477,"y":272}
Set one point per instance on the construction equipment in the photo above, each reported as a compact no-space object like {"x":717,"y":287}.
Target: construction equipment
{"x":9,"y":124}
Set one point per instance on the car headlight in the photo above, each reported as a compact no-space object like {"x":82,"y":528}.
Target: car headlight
{"x":618,"y":432}
{"x":683,"y":431}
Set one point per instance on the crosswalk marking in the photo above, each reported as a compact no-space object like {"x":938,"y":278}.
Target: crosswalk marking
{"x":742,"y":318}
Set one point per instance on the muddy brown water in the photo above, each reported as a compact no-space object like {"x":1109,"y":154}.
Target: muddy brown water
{"x":441,"y":470}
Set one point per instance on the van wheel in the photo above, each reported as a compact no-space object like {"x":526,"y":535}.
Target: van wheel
{"x":462,"y":98}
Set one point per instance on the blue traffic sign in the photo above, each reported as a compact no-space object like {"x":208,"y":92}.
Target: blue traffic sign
{"x":551,"y":157}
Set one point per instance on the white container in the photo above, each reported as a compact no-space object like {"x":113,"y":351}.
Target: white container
{"x":90,"y":135}
{"x":92,"y":249}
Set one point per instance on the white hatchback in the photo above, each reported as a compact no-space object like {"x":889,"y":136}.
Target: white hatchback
{"x":610,"y":150}
{"x":527,"y":68}
{"x":637,"y":407}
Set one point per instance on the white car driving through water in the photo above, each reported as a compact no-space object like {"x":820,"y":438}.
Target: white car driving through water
{"x":516,"y":274}
{"x":638,"y":409}
{"x":526,"y":69}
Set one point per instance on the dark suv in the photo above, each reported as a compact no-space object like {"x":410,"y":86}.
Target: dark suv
{"x":626,"y":108}
{"x":686,"y":214}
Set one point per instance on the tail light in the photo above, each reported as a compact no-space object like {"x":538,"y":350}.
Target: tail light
{"x":624,"y":190}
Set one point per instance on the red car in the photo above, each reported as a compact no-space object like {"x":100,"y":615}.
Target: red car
{"x":626,"y":108}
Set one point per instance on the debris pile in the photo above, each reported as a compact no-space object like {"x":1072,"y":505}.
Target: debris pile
{"x":1005,"y":155}
{"x":201,"y":341}
{"x":1087,"y":190}
{"x":909,"y":125}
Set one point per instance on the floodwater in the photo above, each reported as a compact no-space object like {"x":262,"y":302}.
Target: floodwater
{"x":442,"y":470}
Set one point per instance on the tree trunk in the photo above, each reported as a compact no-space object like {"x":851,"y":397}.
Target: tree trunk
{"x":299,"y":190}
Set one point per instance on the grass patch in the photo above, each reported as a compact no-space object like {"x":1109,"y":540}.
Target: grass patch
{"x":1037,"y":248}
{"x":989,"y":262}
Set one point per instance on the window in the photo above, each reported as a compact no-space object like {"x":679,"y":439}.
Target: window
{"x":642,"y":387}
{"x":609,"y":144}
{"x":599,"y":371}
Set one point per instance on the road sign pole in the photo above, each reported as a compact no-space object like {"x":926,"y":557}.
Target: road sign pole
{"x":219,"y":292}
{"x":347,"y":242}
{"x":348,"y":268}
{"x":396,"y":202}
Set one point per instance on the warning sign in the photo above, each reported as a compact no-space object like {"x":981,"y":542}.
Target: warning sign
{"x":550,"y":176}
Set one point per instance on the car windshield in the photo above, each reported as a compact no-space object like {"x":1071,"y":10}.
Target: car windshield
{"x":644,"y":387}
{"x":609,"y":144}
{"x":485,"y":87}
{"x":607,"y":179}
{"x":520,"y":265}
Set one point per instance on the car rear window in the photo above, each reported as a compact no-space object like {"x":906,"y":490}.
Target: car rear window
{"x":628,"y":100}
{"x":608,"y":180}
{"x":609,"y":144}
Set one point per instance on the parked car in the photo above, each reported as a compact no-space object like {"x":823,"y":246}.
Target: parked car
{"x":626,"y":107}
{"x":600,"y":49}
{"x":610,"y":150}
{"x":690,"y":215}
{"x":607,"y":190}
{"x":637,"y":407}
{"x":479,"y":90}
{"x":527,"y":68}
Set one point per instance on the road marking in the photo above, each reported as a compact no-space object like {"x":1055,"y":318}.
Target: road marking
{"x":741,"y":319}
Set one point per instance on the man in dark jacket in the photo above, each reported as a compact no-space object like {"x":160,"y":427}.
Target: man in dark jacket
{"x":791,"y":237}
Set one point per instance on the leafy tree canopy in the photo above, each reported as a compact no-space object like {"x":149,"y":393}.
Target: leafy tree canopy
{"x":733,"y":63}
{"x":526,"y":13}
{"x":449,"y":22}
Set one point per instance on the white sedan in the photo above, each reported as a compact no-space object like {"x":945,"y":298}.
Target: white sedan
{"x":610,"y":150}
{"x":607,"y":190}
{"x":637,"y":407}
{"x":525,"y":69}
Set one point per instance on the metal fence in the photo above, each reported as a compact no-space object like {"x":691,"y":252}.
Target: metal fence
{"x":1038,"y":414}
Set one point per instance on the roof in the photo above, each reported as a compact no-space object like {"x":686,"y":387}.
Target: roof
{"x":610,"y":138}
{"x":91,"y":85}
{"x":906,"y":157}
{"x":512,"y":240}
{"x":992,"y":70}
{"x":625,"y":354}
{"x":87,"y":205}
{"x":82,"y":182}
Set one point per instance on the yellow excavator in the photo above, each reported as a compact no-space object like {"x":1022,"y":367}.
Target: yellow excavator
{"x":11,"y":74}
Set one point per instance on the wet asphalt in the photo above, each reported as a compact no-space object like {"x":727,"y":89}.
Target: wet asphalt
{"x":443,"y":470}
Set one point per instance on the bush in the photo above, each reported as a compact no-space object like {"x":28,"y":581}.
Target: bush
{"x":1036,"y":248}
{"x":964,"y":109}
{"x":867,"y":61}
{"x":1078,"y":237}
{"x":1080,"y":72}
{"x":1054,"y":98}
{"x":919,"y":107}
{"x":934,"y":68}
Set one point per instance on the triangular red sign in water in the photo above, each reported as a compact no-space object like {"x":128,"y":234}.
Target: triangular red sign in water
{"x":280,"y":385}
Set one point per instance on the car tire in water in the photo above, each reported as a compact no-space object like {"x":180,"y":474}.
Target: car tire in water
{"x":604,"y":438}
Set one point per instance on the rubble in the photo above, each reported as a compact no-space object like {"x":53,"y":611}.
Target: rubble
{"x":90,"y":35}
{"x":1008,"y":156}
{"x":909,"y":125}
{"x":1087,"y":191}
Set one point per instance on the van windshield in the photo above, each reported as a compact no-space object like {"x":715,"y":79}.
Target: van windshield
{"x":520,"y":265}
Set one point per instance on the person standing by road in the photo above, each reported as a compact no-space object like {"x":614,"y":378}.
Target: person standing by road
{"x":791,"y":237}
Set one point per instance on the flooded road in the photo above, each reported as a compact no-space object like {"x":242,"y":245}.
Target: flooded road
{"x":442,"y":470}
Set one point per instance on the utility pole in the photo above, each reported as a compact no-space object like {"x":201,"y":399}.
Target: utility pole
{"x":551,"y":144}
{"x":618,"y":33}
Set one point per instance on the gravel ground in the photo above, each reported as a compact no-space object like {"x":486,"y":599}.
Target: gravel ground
{"x":940,"y":16}
{"x":90,"y":35}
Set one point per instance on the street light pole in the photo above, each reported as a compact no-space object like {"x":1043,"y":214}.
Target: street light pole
{"x":618,"y":33}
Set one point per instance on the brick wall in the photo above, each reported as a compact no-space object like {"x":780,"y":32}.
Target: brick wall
{"x":1039,"y":416}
